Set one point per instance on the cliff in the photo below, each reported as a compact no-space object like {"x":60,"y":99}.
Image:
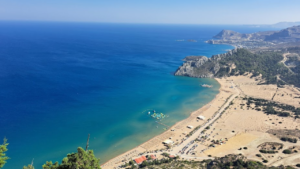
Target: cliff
{"x":201,"y":66}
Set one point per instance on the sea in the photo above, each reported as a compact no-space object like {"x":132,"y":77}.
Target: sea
{"x":61,"y":81}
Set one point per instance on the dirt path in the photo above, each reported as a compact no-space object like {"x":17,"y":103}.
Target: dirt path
{"x":286,"y":160}
{"x":284,"y":60}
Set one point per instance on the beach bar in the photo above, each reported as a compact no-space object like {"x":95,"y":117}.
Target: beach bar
{"x":168,"y":141}
{"x":140,"y":159}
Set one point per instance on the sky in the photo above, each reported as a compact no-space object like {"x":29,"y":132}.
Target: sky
{"x":153,"y":11}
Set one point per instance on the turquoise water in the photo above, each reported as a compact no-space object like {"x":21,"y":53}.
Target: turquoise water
{"x":62,"y":81}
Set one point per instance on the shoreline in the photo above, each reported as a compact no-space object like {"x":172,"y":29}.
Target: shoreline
{"x":137,"y":149}
{"x":240,"y":126}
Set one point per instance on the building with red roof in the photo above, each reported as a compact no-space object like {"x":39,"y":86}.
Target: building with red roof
{"x":171,"y":156}
{"x":140,"y":159}
{"x":152,"y":157}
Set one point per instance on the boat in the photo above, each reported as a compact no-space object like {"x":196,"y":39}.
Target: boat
{"x":206,"y":85}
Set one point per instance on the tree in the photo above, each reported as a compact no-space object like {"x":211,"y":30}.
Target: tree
{"x":80,"y":160}
{"x":144,"y":164}
{"x":28,"y":167}
{"x":3,"y":149}
{"x":50,"y":165}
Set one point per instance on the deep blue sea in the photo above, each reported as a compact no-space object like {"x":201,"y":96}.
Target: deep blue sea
{"x":60,"y":82}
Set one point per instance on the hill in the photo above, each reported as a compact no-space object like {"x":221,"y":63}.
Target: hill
{"x":267,"y":64}
{"x":258,"y":39}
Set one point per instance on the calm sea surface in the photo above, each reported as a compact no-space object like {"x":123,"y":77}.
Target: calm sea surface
{"x":60,"y":82}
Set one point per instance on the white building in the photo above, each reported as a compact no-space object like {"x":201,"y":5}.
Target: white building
{"x":168,"y":141}
{"x":201,"y":117}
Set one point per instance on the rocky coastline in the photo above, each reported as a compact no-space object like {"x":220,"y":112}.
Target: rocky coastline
{"x":202,"y":66}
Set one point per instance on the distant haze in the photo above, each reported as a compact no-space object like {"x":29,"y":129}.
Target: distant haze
{"x":154,"y":11}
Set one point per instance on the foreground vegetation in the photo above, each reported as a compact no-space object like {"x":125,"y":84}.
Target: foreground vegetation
{"x":80,"y":160}
{"x":3,"y":149}
{"x":228,"y":162}
{"x":86,"y":160}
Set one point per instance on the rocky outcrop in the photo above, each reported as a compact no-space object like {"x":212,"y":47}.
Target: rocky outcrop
{"x":201,"y":66}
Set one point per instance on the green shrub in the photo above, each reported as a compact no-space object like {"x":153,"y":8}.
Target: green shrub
{"x":287,"y":151}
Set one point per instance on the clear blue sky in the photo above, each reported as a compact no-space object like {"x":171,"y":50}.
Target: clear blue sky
{"x":153,"y":11}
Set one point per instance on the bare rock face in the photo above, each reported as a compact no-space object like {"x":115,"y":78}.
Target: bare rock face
{"x":190,"y":66}
{"x":201,"y":66}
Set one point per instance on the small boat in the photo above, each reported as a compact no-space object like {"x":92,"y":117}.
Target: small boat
{"x":206,"y":85}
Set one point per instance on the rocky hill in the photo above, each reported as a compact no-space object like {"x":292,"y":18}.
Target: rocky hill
{"x":240,"y":61}
{"x":201,"y":66}
{"x":232,"y":35}
{"x":258,"y":39}
{"x":291,"y":34}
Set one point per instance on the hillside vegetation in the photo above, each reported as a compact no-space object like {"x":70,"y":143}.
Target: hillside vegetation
{"x":265,"y":63}
{"x":240,"y":61}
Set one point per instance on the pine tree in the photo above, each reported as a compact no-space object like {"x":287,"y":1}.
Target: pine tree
{"x":80,"y":160}
{"x":3,"y":149}
{"x":50,"y":165}
{"x":28,"y":167}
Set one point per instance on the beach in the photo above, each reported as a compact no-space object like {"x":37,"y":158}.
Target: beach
{"x":236,"y":125}
{"x":178,"y":131}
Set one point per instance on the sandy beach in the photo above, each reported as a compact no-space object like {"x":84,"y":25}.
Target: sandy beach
{"x":178,"y":131}
{"x":237,"y":125}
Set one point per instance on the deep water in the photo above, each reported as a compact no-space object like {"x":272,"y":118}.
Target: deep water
{"x":62,"y":81}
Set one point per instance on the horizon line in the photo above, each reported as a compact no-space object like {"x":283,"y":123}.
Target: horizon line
{"x":143,"y":23}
